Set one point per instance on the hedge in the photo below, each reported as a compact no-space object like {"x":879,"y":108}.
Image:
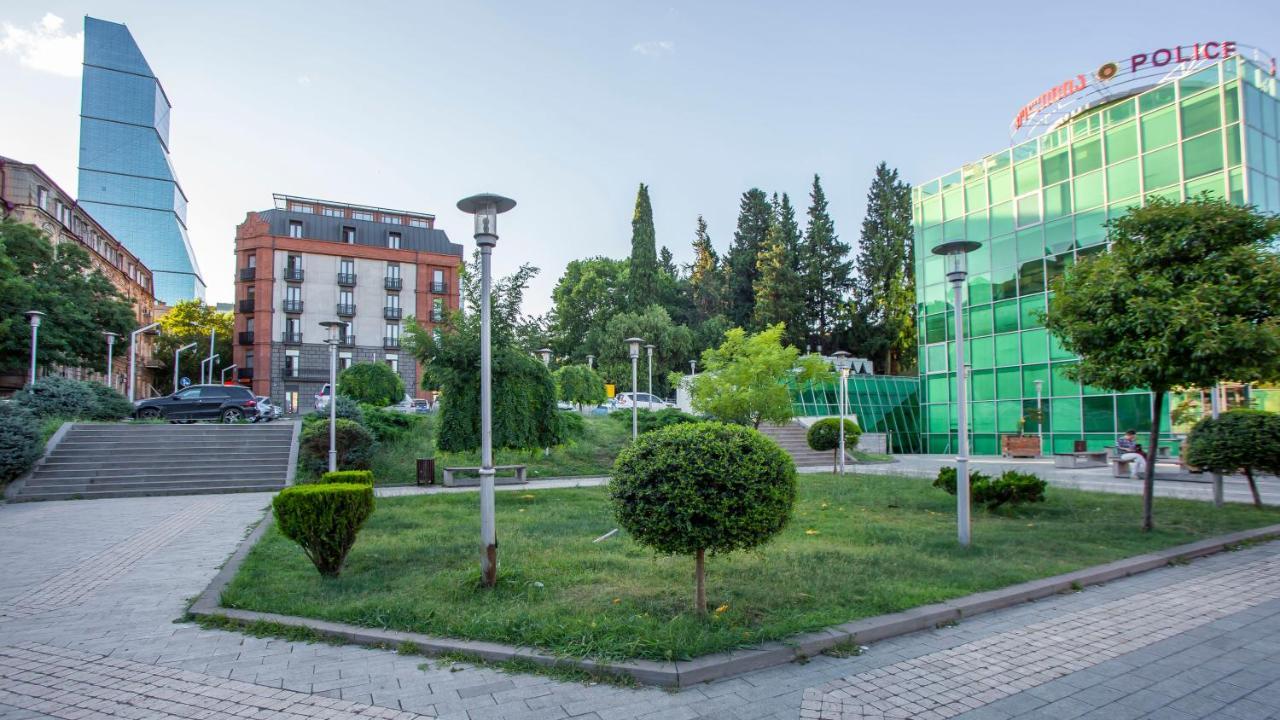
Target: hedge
{"x":357,"y":477}
{"x":324,"y":519}
{"x":19,"y":441}
{"x":1011,"y":487}
{"x":354,"y":443}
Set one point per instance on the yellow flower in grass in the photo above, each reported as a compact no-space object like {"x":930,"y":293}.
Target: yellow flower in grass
{"x":722,"y":608}
{"x":811,"y":531}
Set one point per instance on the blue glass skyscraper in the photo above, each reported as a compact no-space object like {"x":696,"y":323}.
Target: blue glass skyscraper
{"x":127,"y":180}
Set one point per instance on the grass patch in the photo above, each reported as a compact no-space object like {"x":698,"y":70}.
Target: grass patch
{"x":592,"y":453}
{"x":856,"y":547}
{"x":395,"y":461}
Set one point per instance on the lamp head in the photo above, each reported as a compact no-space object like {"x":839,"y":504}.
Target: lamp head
{"x":634,"y":345}
{"x":332,"y":326}
{"x":34,"y":317}
{"x":956,"y":252}
{"x":842,"y":359}
{"x":110,"y":336}
{"x":545,"y":354}
{"x":648,"y":348}
{"x":486,"y":207}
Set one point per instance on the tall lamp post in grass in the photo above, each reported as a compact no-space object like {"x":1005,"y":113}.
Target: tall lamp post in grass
{"x":955,"y":253}
{"x":34,"y":317}
{"x":843,"y":361}
{"x":634,"y":345}
{"x":486,"y":208}
{"x":648,"y":348}
{"x":111,"y":343}
{"x":176,"y":353}
{"x":133,"y":355}
{"x":333,"y":326}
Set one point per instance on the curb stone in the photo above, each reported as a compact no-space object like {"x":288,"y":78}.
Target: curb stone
{"x":686,"y":673}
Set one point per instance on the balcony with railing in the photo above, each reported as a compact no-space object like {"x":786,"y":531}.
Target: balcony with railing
{"x":346,"y":279}
{"x":246,"y":337}
{"x":248,"y":274}
{"x":392,"y":283}
{"x":346,"y":309}
{"x":293,"y":274}
{"x":246,"y":306}
{"x":391,"y":343}
{"x":293,"y":306}
{"x":391,"y":313}
{"x":244,"y":373}
{"x":440,"y":288}
{"x":346,"y":340}
{"x":291,"y":338}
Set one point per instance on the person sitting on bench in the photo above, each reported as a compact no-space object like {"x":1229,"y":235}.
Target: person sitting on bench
{"x":1131,"y":452}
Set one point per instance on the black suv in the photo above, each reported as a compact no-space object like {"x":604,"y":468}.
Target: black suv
{"x":227,"y":403}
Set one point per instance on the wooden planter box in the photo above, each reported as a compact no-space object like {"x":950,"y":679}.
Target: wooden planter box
{"x":1020,"y":446}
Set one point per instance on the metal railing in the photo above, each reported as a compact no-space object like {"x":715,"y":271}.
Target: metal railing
{"x":391,"y":313}
{"x":246,"y":337}
{"x":246,"y":306}
{"x":293,"y":306}
{"x":248,"y":273}
{"x":439,"y":288}
{"x":392,"y":283}
{"x":346,"y":279}
{"x":391,"y":343}
{"x":289,"y":338}
{"x":346,"y":310}
{"x":293,"y":273}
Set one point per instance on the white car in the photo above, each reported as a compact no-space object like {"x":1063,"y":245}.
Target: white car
{"x":267,"y":410}
{"x":622,"y":401}
{"x":322,"y":398}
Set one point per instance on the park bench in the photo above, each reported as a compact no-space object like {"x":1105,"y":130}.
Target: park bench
{"x":452,"y":479}
{"x":1080,"y":459}
{"x":1120,"y":468}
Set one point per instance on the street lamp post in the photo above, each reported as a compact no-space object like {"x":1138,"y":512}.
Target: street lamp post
{"x":1040,"y":415}
{"x":649,"y":351}
{"x":1215,"y":408}
{"x":693,"y":367}
{"x":208,"y":361}
{"x":212,"y":332}
{"x":176,"y":353}
{"x":228,"y":369}
{"x":842,"y":360}
{"x":333,"y":326}
{"x":133,"y":355}
{"x":486,"y":208}
{"x":545,"y":354}
{"x":111,"y":342}
{"x":591,"y":361}
{"x":34,"y":316}
{"x":955,"y":253}
{"x":633,"y":345}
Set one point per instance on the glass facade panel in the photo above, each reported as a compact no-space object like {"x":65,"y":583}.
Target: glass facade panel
{"x":1121,"y":142}
{"x":1201,"y":114}
{"x":1122,"y":180}
{"x":1088,"y":191}
{"x":1159,"y":129}
{"x":1086,"y":156}
{"x":1055,"y":166}
{"x":1160,"y":168}
{"x":1202,"y":155}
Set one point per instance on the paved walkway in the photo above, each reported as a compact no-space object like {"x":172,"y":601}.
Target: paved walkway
{"x":90,"y":591}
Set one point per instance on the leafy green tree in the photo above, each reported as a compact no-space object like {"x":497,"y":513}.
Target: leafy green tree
{"x":744,"y":380}
{"x":1243,"y":439}
{"x":826,"y":267}
{"x":706,"y":279}
{"x":778,"y":292}
{"x":373,"y":383}
{"x":579,"y":384}
{"x":189,"y":321}
{"x":588,"y":293}
{"x":825,"y":435}
{"x":78,"y":300}
{"x":884,"y":283}
{"x":642,"y":279}
{"x":741,"y":266}
{"x":673,"y":348}
{"x":693,"y":487}
{"x":1188,"y":295}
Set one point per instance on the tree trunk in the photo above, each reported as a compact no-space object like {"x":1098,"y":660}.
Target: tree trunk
{"x":700,"y":583}
{"x":1253,"y":487}
{"x":1149,"y":482}
{"x":835,"y":460}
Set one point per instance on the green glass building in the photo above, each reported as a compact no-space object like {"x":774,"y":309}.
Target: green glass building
{"x":1039,"y":207}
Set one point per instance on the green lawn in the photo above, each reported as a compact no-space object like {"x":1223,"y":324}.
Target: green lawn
{"x":855,"y":548}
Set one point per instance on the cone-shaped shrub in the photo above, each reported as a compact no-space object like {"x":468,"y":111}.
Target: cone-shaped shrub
{"x":324,"y":519}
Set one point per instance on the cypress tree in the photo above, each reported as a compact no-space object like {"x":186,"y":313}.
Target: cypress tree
{"x":705,"y":286}
{"x":885,"y":282}
{"x":642,"y":281}
{"x":741,"y":262}
{"x":826,"y":269}
{"x":779,"y":296}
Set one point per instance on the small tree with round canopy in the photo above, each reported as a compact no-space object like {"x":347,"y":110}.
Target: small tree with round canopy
{"x":1243,"y":439}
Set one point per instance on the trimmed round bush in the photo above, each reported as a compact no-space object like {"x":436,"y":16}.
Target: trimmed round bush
{"x":354,"y":445}
{"x":108,"y":403}
{"x":324,"y":519}
{"x":374,"y":383}
{"x":55,"y":396}
{"x":19,"y":441}
{"x":825,"y":435}
{"x":355,"y":477}
{"x":1240,"y":440}
{"x":697,"y":487}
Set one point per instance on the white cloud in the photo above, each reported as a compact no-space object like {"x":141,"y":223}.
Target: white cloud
{"x":654,"y":48}
{"x":304,"y":80}
{"x":45,"y":46}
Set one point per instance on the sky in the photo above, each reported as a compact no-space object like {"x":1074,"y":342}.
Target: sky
{"x":568,"y":106}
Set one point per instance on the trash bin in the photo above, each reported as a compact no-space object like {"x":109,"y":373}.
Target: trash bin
{"x":426,"y":471}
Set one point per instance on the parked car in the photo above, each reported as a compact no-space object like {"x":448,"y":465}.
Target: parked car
{"x":226,"y":403}
{"x":322,"y":398}
{"x":267,"y":410}
{"x":421,"y":406}
{"x":622,"y":401}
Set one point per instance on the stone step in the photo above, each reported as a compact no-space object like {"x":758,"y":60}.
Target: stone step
{"x":56,"y":462}
{"x":208,"y":446}
{"x":132,"y":473}
{"x":149,"y":492}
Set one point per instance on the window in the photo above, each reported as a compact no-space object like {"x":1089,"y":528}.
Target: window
{"x":418,"y":222}
{"x":346,"y":297}
{"x":293,"y":263}
{"x":437,"y":276}
{"x":248,"y":324}
{"x":295,"y":229}
{"x":393,"y":270}
{"x":253,"y":261}
{"x":344,"y":361}
{"x":392,"y":331}
{"x":293,"y":326}
{"x":346,"y":266}
{"x":347,"y":333}
{"x":42,"y":198}
{"x":291,"y":401}
{"x":393,"y":240}
{"x":250,"y":291}
{"x":392,"y":220}
{"x":302,"y":208}
{"x":349,"y":235}
{"x":393,"y":301}
{"x":333,"y":212}
{"x":291,"y":363}
{"x":248,"y":360}
{"x":394,"y":362}
{"x":292,"y":293}
{"x":361,"y":215}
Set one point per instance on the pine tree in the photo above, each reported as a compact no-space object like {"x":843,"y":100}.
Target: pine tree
{"x":642,"y":280}
{"x":885,"y":282}
{"x":826,"y":269}
{"x":741,"y":262}
{"x":779,"y":296}
{"x":667,"y":263}
{"x":705,"y":279}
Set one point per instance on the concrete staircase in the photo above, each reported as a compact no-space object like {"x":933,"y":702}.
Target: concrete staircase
{"x":90,"y":460}
{"x":792,"y":439}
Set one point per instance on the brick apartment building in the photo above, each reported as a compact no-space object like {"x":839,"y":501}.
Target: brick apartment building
{"x":308,"y":261}
{"x":28,"y":195}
